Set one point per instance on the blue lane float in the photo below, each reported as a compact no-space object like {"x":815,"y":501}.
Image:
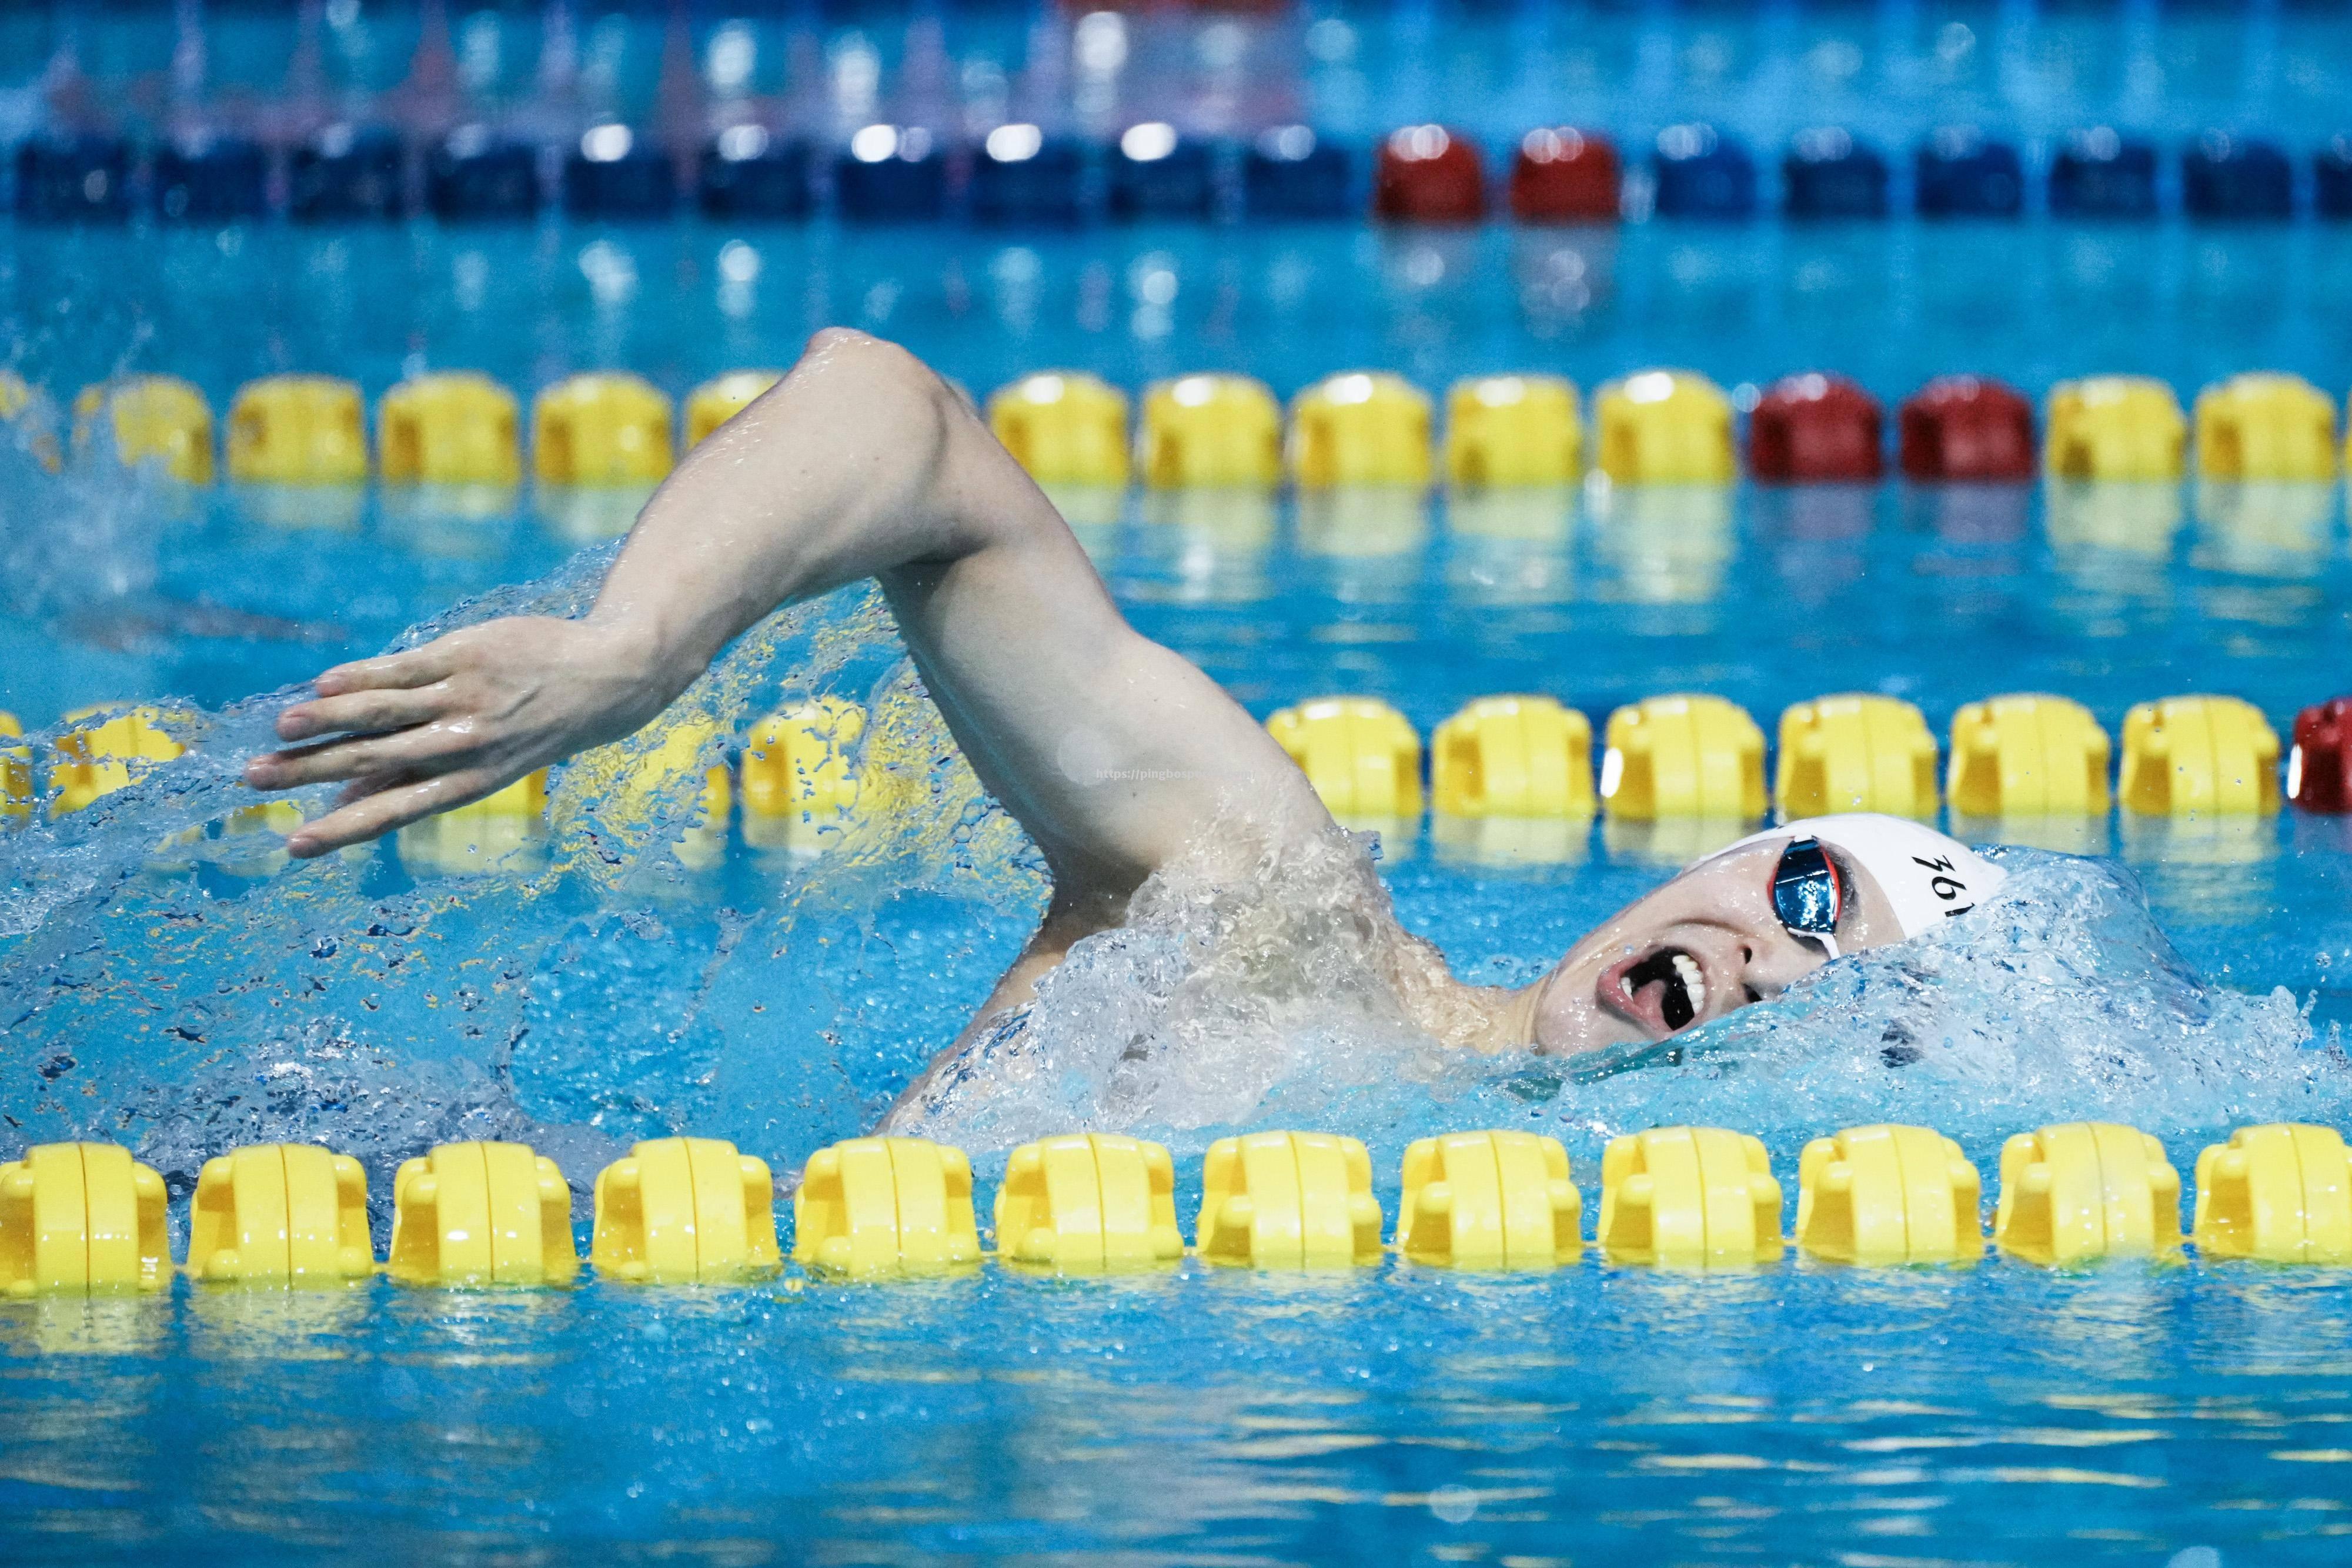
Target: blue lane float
{"x":1958,"y":172}
{"x":1157,"y":172}
{"x":73,"y":180}
{"x":2331,"y":180}
{"x":2100,"y":174}
{"x":210,"y":179}
{"x":2230,"y":178}
{"x":1021,"y":177}
{"x":476,"y":175}
{"x":616,"y":173}
{"x":347,"y":174}
{"x":1827,"y":173}
{"x":1291,"y":172}
{"x":1703,"y":174}
{"x":891,"y":175}
{"x":749,"y":171}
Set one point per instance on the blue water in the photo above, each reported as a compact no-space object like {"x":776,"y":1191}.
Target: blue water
{"x":2186,"y":1415}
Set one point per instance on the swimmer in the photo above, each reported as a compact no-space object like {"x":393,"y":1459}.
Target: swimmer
{"x":1113,"y":753}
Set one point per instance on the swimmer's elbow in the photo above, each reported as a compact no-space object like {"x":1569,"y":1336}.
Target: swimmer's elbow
{"x":890,"y":378}
{"x":897,"y":392}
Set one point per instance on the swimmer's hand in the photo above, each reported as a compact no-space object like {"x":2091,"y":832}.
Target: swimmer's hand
{"x":411,"y":733}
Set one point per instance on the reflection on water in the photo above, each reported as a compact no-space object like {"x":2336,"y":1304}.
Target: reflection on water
{"x":1672,"y":843}
{"x":461,"y":522}
{"x":296,"y":508}
{"x":1564,"y":275}
{"x":85,"y":1325}
{"x":1093,"y":512}
{"x":474,"y":845}
{"x":1983,"y":516}
{"x":589,"y":514}
{"x":2217,"y":869}
{"x":2274,"y":529}
{"x":1818,"y":535}
{"x":1511,"y":545}
{"x":247,"y":1322}
{"x":1205,"y":547}
{"x":2073,"y":835}
{"x":1510,"y":841}
{"x":2113,"y":537}
{"x":1664,"y":544}
{"x":1364,"y":543}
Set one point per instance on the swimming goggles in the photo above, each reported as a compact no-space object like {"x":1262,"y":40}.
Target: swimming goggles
{"x":1808,"y":893}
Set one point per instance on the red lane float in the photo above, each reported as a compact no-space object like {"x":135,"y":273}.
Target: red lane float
{"x":1966,"y":428}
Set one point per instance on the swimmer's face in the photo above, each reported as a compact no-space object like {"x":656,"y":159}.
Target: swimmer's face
{"x":1705,"y":943}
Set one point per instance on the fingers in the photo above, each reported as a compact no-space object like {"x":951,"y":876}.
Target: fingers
{"x":433,"y":749}
{"x":364,"y":711}
{"x":374,"y":813}
{"x":417,"y":667}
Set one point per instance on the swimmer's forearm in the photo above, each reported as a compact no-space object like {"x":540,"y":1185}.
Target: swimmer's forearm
{"x":859,"y":462}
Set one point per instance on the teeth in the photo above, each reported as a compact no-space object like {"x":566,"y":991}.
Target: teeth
{"x":1694,"y":980}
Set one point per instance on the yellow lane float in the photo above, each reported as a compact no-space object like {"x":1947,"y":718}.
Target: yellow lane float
{"x":482,"y":1214}
{"x":1288,"y":1200}
{"x":721,"y":397}
{"x":2281,"y":1194}
{"x":284,"y":1214}
{"x":2262,"y":425}
{"x":143,"y":418}
{"x":1689,"y":1197}
{"x":1512,"y":432}
{"x":2199,"y":756}
{"x":15,"y":773}
{"x":1065,"y":427}
{"x":2028,"y":755}
{"x":1858,"y":752}
{"x":601,"y":429}
{"x":1513,"y":756}
{"x":2113,"y":428}
{"x":504,"y":828}
{"x":2082,"y":1192}
{"x":1211,"y":431}
{"x":1361,"y":755}
{"x":1084,"y":1202}
{"x":685,"y":1211}
{"x":1665,"y":427}
{"x":1361,"y":428}
{"x":117,"y":750}
{"x":81,"y":1220}
{"x":449,"y":427}
{"x":298,"y":430}
{"x":1683,"y":756}
{"x":1888,"y":1195}
{"x":1492,"y":1201}
{"x":869,"y":1206}
{"x":799,"y":787}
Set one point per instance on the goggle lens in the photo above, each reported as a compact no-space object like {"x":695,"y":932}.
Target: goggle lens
{"x":1808,"y":894}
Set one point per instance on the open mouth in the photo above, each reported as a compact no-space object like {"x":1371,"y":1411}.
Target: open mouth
{"x":1664,"y":990}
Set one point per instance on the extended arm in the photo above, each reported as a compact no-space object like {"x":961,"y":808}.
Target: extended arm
{"x":1111,"y":750}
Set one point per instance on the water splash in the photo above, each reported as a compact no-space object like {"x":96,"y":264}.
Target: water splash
{"x":1263,"y":1000}
{"x":168,"y":980}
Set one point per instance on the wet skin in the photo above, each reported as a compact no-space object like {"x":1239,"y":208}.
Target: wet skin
{"x":862,"y":463}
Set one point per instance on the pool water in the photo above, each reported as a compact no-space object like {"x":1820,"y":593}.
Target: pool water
{"x":600,"y":991}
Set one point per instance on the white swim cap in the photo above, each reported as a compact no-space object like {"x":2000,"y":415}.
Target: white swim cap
{"x":1927,"y":876}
